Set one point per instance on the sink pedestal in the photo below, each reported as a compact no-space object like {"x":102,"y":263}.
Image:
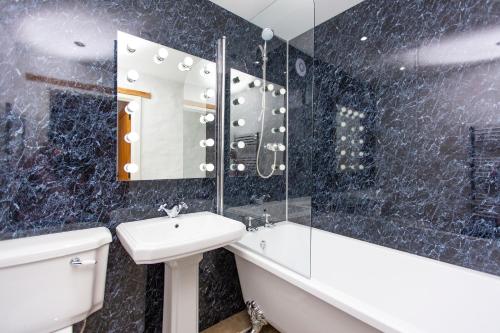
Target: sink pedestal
{"x":179,"y":244}
{"x":180,"y":304}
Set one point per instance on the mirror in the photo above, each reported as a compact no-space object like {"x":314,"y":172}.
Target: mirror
{"x":258,"y":126}
{"x":166,"y":112}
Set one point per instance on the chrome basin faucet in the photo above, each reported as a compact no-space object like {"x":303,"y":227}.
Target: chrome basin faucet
{"x":174,"y":211}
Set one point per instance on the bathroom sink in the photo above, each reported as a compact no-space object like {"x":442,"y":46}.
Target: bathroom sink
{"x":179,"y":243}
{"x":164,"y":239}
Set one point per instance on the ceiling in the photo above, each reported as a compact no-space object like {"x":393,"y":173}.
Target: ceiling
{"x":288,"y":18}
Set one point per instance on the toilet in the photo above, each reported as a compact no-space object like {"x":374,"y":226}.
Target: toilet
{"x":50,"y":282}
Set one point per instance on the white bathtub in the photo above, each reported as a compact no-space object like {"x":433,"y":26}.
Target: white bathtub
{"x":358,"y":287}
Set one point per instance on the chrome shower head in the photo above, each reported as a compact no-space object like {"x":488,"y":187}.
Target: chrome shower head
{"x":267,"y":34}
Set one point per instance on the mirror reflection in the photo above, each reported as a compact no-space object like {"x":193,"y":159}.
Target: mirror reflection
{"x":166,"y":112}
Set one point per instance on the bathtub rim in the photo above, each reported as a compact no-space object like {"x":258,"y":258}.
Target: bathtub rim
{"x":338,"y":299}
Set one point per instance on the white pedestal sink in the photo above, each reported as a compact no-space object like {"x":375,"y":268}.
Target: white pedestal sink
{"x":179,"y":243}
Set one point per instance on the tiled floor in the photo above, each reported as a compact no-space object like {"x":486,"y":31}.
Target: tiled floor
{"x":239,"y":323}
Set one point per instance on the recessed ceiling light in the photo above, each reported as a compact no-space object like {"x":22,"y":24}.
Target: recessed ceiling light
{"x":79,"y":44}
{"x":402,"y":68}
{"x":364,"y":38}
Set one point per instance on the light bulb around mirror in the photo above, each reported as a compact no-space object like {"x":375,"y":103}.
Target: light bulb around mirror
{"x":281,"y":110}
{"x":281,"y":147}
{"x":132,"y":76}
{"x":239,"y":123}
{"x":161,"y":55}
{"x":279,"y":92}
{"x":239,"y":101}
{"x":186,"y":64}
{"x":131,"y":137}
{"x":207,"y":143}
{"x":255,"y":83}
{"x":238,"y":145}
{"x":237,"y":167}
{"x":281,"y":129}
{"x":131,"y":167}
{"x":207,"y":167}
{"x":209,"y":117}
{"x":270,"y":87}
{"x":280,"y":167}
{"x":132,"y":107}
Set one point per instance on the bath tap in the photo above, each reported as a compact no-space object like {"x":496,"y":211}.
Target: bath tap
{"x":267,"y":223}
{"x":174,"y":211}
{"x":259,"y":200}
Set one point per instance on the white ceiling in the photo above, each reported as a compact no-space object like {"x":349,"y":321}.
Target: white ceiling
{"x":288,"y":18}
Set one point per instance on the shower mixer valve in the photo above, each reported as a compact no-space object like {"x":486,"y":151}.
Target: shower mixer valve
{"x":275,"y":147}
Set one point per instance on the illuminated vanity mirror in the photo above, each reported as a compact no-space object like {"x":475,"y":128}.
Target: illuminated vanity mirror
{"x":166,"y":112}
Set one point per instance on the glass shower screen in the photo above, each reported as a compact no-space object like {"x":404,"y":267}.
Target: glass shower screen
{"x":268,"y":128}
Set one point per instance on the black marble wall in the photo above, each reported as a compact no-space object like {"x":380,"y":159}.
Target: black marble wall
{"x":427,"y":82}
{"x":58,"y":129}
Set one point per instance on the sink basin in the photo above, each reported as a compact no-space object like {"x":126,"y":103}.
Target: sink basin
{"x":164,"y":239}
{"x":179,"y":243}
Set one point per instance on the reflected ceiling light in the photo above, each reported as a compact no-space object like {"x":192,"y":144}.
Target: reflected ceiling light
{"x":131,"y":46}
{"x":186,"y":64}
{"x":131,"y":167}
{"x":462,"y":48}
{"x":132,"y":107}
{"x":132,"y":76}
{"x":208,"y":94}
{"x":131,"y":137}
{"x":207,"y":69}
{"x":402,"y":68}
{"x":36,"y":32}
{"x":364,"y":38}
{"x":161,"y":55}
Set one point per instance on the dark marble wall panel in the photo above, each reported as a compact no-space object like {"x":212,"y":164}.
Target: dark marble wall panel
{"x":57,"y":157}
{"x":426,"y":79}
